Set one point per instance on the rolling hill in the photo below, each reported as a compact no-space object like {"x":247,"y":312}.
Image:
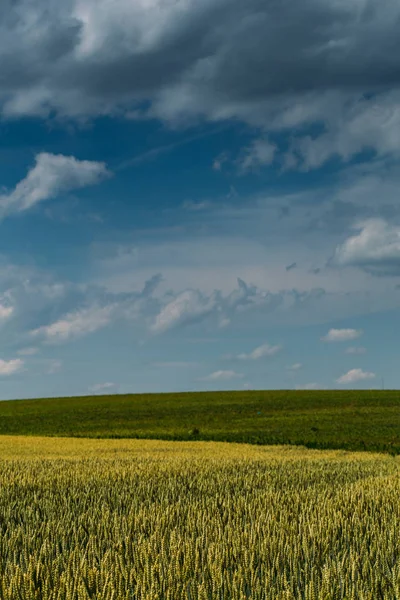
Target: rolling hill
{"x":352,"y":420}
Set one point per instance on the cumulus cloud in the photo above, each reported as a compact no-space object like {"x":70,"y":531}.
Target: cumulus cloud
{"x":5,"y":312}
{"x":223,"y":376}
{"x":8,"y":367}
{"x":188,"y":307}
{"x":39,"y":300}
{"x":260,"y":352}
{"x":52,"y":175}
{"x":260,"y":152}
{"x":56,"y":312}
{"x":342,"y":335}
{"x":192,"y":306}
{"x":164,"y":312}
{"x":364,"y":124}
{"x":355,"y":375}
{"x":375,"y":248}
{"x":280,"y":64}
{"x":76,"y":324}
{"x":80,"y":309}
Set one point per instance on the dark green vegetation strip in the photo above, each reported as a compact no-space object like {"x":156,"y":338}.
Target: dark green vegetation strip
{"x":352,"y":420}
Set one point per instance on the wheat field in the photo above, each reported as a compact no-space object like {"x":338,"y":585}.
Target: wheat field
{"x":152,"y":520}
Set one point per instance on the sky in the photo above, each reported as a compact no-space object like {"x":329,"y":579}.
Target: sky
{"x":199,"y":195}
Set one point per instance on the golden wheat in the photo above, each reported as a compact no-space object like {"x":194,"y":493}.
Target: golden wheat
{"x":150,"y":520}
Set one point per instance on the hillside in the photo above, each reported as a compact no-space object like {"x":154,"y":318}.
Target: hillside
{"x":320,"y":419}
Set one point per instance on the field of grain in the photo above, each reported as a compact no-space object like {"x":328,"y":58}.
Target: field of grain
{"x":151,"y":520}
{"x":336,"y":419}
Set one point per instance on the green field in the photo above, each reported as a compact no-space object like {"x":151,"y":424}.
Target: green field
{"x":352,"y":420}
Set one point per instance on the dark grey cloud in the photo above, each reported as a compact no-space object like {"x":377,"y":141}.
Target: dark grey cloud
{"x":279,"y":63}
{"x":291,"y":266}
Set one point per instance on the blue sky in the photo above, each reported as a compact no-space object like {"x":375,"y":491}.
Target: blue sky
{"x":198,"y":195}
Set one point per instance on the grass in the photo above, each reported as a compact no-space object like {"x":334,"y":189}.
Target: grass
{"x":114,"y":519}
{"x":351,"y":420}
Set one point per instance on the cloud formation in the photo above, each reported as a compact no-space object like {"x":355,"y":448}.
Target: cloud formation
{"x":59,"y":313}
{"x":193,"y":306}
{"x":53,"y":174}
{"x":260,"y":352}
{"x":261,"y":152}
{"x":5,"y":312}
{"x":342,"y":335}
{"x":269,"y":64}
{"x":187,"y":307}
{"x":76,"y":324}
{"x":63,"y":312}
{"x":355,"y":375}
{"x":375,"y":248}
{"x":364,"y":124}
{"x":8,"y":367}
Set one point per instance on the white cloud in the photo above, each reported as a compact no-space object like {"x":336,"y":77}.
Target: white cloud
{"x":187,"y":307}
{"x":376,"y":248}
{"x":260,"y":352}
{"x":260,"y":152}
{"x":5,"y":312}
{"x":99,"y":388}
{"x":356,"y":350}
{"x":223,"y":376}
{"x":52,"y":175}
{"x":355,"y":375}
{"x":8,"y":367}
{"x":76,"y":324}
{"x":342,"y":335}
